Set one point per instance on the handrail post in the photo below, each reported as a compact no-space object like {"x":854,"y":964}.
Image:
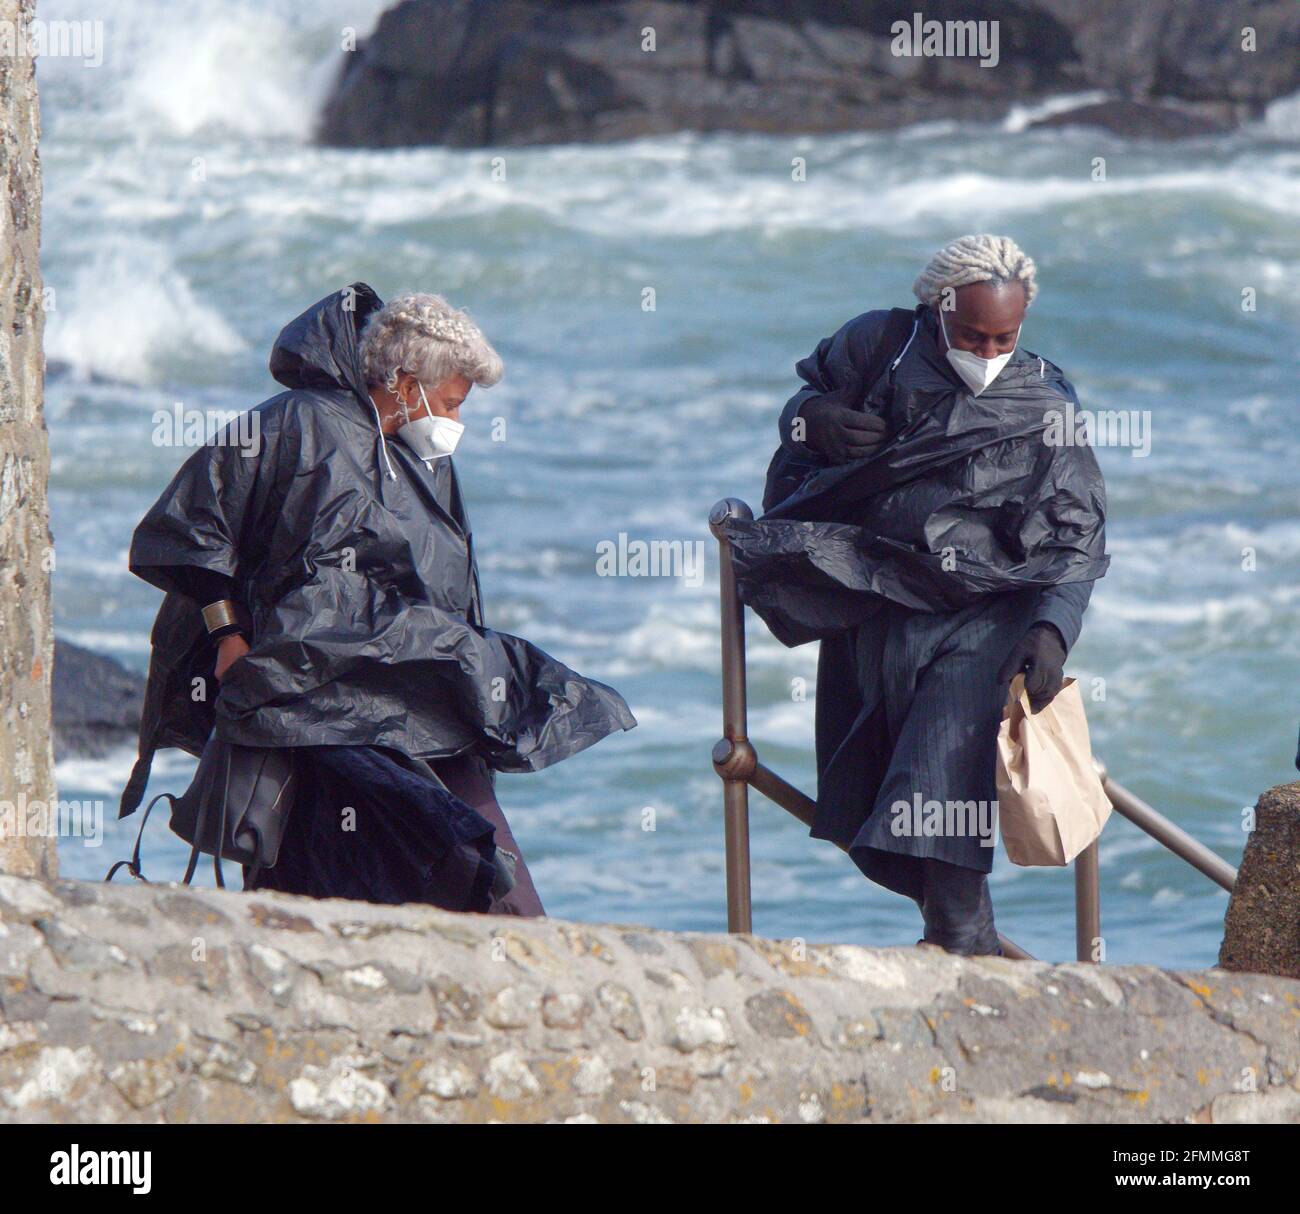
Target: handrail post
{"x":1087,"y":903}
{"x":733,"y":757}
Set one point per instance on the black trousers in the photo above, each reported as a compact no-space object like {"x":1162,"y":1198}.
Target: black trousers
{"x":930,"y":683}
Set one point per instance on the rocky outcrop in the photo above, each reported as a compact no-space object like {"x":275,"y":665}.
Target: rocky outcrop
{"x":26,"y":549}
{"x":474,"y":72}
{"x":1136,"y":118}
{"x":97,"y":702}
{"x":1261,"y":933}
{"x":145,"y":1003}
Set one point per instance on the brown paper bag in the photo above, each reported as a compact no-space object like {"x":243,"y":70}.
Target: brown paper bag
{"x":1051,"y":804}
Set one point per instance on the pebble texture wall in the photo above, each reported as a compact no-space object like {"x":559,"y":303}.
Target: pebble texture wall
{"x":129,"y":1002}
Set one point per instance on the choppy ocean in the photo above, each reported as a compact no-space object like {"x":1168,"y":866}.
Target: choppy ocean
{"x":187,"y":218}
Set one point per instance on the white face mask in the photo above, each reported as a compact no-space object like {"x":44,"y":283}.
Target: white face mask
{"x":976,"y":372}
{"x":429,"y":436}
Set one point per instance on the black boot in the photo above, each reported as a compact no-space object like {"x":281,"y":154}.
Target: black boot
{"x":957,"y":909}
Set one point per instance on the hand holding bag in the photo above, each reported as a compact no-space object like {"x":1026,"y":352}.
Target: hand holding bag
{"x":1051,"y":804}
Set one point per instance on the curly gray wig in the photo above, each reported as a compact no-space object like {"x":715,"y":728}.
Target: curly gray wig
{"x":425,"y":336}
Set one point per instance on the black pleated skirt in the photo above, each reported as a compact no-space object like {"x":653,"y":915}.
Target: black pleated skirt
{"x":373,"y":825}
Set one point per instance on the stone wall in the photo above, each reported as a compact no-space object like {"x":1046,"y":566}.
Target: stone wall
{"x":140,"y":1003}
{"x":26,"y":639}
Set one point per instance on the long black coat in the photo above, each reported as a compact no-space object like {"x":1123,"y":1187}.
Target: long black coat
{"x":367,"y":619}
{"x":918,"y":570}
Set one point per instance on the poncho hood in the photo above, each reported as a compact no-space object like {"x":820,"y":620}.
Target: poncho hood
{"x":322,"y":347}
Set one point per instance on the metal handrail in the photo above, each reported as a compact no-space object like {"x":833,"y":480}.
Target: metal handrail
{"x":1165,"y":832}
{"x":736,"y":762}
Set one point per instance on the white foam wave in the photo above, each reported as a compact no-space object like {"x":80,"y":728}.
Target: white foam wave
{"x":634,"y":189}
{"x":1282,"y":118}
{"x":107,"y":776}
{"x":1021,"y":117}
{"x":102,"y":641}
{"x":866,"y":186}
{"x":788,"y":722}
{"x":239,"y":67}
{"x":1255,"y":610}
{"x":129,"y":309}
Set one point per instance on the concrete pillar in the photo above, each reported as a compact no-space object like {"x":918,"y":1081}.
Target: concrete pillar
{"x":1261,"y":933}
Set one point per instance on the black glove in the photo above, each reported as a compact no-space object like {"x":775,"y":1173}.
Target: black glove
{"x":1040,"y":653}
{"x":839,"y":434}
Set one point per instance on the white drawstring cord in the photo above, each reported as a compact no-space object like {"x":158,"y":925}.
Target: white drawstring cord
{"x":382,"y":443}
{"x":899,"y":359}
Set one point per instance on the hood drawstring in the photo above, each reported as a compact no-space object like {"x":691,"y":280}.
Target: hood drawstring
{"x":383,"y":444}
{"x":916,"y":324}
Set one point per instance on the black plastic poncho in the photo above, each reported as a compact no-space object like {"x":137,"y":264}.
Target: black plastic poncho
{"x":363,"y":589}
{"x":970,"y":524}
{"x":969,"y":496}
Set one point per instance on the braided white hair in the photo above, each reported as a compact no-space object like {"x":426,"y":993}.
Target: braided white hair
{"x":968,"y":259}
{"x":426,"y":336}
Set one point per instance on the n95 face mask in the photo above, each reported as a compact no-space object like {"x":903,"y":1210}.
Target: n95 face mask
{"x":976,"y":372}
{"x":429,"y":436}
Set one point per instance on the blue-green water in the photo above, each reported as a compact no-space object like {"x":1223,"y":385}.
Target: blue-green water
{"x":187,"y":218}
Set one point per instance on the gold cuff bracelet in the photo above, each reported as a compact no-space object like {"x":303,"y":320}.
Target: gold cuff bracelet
{"x":219,"y":614}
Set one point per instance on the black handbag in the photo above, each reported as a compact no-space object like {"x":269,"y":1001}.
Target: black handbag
{"x":236,"y":808}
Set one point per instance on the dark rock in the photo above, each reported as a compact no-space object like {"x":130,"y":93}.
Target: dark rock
{"x":1138,"y":119}
{"x":1261,"y":932}
{"x":1148,"y":49}
{"x":97,"y":702}
{"x":473,"y":72}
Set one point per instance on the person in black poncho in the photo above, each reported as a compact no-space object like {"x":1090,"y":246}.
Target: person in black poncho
{"x":926,"y":524}
{"x":324,"y":576}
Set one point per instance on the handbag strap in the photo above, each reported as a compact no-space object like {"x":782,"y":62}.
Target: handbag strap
{"x":255,"y":870}
{"x":221,"y":832}
{"x":133,"y":864}
{"x":204,"y":810}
